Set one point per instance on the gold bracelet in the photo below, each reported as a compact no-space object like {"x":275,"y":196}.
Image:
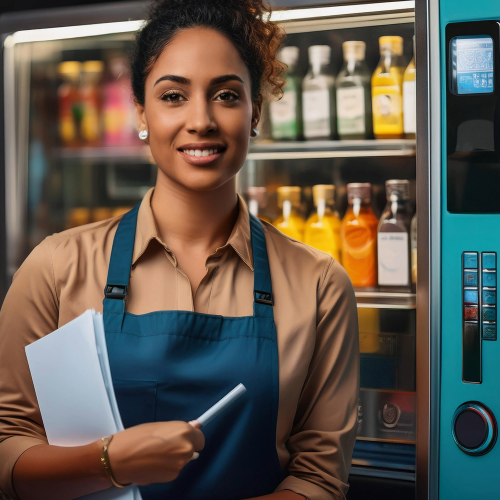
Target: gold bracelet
{"x":105,"y":462}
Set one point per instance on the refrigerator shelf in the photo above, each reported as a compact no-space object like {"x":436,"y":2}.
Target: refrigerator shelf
{"x":105,"y":153}
{"x":299,"y":150}
{"x":296,"y":150}
{"x":385,"y":300}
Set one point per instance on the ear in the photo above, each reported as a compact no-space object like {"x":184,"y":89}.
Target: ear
{"x":256,"y":111}
{"x":140,"y":114}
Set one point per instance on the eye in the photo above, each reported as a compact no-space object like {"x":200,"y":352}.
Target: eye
{"x":165,"y":97}
{"x":228,"y":93}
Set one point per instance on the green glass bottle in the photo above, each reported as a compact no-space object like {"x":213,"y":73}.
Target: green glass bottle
{"x":286,"y":113}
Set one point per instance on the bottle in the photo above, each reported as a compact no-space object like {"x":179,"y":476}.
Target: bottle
{"x":286,"y":114}
{"x":290,"y":222}
{"x":322,"y":230}
{"x":90,"y":94}
{"x":413,"y":231}
{"x":118,"y":106}
{"x":359,"y":236}
{"x":393,"y":241}
{"x":257,"y":201}
{"x":387,"y":90}
{"x":69,"y":103}
{"x":410,"y":98}
{"x":354,"y":107}
{"x":318,"y":95}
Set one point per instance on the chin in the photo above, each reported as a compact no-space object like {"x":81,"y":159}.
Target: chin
{"x":203,"y":180}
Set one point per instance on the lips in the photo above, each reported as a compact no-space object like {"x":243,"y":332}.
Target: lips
{"x":201,"y":160}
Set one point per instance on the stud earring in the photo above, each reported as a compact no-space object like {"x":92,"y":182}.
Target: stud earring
{"x":256,"y":132}
{"x":143,"y":134}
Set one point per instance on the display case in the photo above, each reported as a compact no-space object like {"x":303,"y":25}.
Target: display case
{"x":60,"y":172}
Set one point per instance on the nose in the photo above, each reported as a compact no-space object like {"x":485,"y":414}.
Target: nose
{"x":200,"y":118}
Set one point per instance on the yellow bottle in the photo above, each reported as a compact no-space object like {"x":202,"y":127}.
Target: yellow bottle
{"x":387,"y":90}
{"x":290,"y":222}
{"x":322,"y":229}
{"x":257,"y":201}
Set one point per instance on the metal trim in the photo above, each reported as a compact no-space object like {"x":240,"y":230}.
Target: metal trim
{"x":428,"y":247}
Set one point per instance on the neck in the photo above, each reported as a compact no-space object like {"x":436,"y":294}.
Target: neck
{"x":194,"y":219}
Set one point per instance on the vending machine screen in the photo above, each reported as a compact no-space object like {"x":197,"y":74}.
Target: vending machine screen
{"x":473,"y":64}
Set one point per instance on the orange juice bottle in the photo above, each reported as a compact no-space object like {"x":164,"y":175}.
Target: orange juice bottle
{"x":290,"y":222}
{"x":387,"y":90}
{"x":322,"y":229}
{"x":257,"y":201}
{"x":359,"y":236}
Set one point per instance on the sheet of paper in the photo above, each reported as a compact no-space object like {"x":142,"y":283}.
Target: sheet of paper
{"x":72,"y":379}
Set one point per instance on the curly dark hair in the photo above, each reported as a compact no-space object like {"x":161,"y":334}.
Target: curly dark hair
{"x":256,"y":38}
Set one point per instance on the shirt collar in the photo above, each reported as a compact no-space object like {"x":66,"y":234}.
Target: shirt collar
{"x":147,"y":230}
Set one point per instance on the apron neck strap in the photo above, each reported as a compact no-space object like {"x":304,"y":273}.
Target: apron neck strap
{"x":120,"y":263}
{"x":263,"y":299}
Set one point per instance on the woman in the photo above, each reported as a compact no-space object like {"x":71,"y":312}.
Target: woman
{"x":198,"y":297}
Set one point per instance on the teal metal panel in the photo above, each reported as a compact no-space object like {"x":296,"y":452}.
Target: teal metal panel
{"x":462,"y":476}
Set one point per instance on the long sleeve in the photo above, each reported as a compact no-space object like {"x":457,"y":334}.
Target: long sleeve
{"x":29,"y":311}
{"x":325,"y":424}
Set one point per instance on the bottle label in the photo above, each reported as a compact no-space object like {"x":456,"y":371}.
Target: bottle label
{"x":284,"y":116}
{"x":409,"y":107}
{"x":351,"y":110}
{"x":316,"y":113}
{"x":387,"y":110}
{"x":393,"y":259}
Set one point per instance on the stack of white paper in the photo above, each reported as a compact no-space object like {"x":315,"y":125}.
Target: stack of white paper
{"x":72,"y":379}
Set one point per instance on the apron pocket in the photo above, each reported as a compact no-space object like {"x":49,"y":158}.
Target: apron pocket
{"x":136,"y":401}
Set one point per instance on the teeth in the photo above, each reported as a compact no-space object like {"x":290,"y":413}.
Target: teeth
{"x":199,"y":152}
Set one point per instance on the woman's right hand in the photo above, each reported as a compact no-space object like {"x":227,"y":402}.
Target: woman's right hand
{"x":154,"y":452}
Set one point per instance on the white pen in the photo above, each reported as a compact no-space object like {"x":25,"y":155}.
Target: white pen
{"x":218,"y":408}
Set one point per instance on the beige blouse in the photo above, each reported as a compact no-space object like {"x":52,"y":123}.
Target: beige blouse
{"x":314,"y":311}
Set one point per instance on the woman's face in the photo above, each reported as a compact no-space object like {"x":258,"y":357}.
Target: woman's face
{"x":184,"y":106}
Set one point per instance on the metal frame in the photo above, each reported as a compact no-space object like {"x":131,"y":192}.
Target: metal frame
{"x":428,"y":247}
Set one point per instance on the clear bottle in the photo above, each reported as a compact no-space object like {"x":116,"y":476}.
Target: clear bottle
{"x":257,"y":201}
{"x":70,"y":108}
{"x":318,"y":95}
{"x":359,"y":236}
{"x":410,"y":98}
{"x":90,"y":93}
{"x":413,"y":231}
{"x":387,"y":90}
{"x":322,"y":230}
{"x":290,"y":222}
{"x":393,"y":239}
{"x":354,"y":104}
{"x":286,"y":114}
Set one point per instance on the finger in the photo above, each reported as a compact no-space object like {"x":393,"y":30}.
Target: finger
{"x":195,"y":424}
{"x":195,"y":456}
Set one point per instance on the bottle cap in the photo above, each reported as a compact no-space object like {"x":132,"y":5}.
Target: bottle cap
{"x":399,"y":187}
{"x":69,"y":68}
{"x":319,"y":53}
{"x":289,"y":55}
{"x":258,"y":193}
{"x":291,"y":193}
{"x":362,"y":190}
{"x":323,"y":192}
{"x":354,"y":50}
{"x":93,"y":66}
{"x":392,"y":43}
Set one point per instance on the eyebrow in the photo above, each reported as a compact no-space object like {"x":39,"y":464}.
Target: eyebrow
{"x":187,"y":81}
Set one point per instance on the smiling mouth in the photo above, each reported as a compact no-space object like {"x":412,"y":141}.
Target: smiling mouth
{"x":198,"y":153}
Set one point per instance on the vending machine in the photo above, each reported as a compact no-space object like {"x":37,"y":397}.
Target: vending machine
{"x":463,"y":153}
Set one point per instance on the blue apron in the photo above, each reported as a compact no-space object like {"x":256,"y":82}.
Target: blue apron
{"x":174,"y":365}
